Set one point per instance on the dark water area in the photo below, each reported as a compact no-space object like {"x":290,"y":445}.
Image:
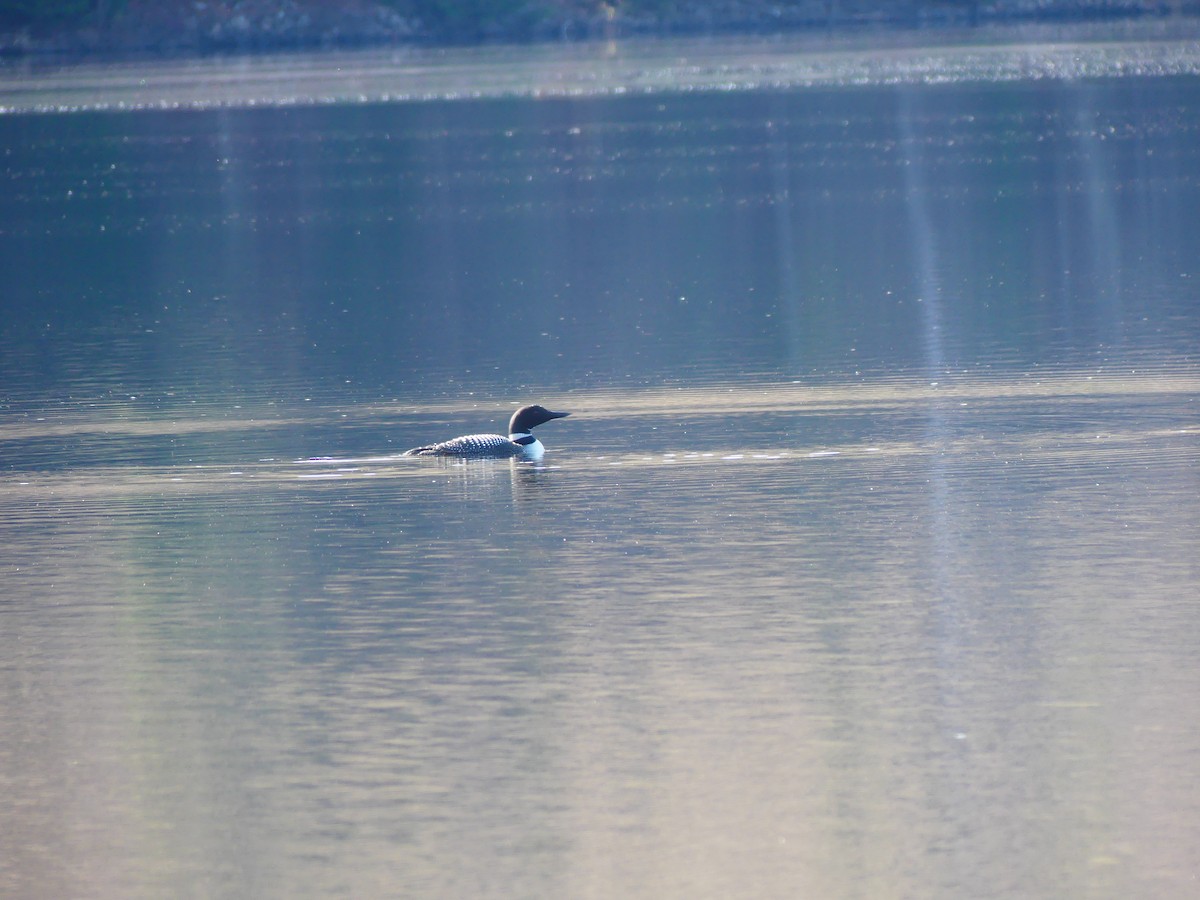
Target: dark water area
{"x":866,"y":565}
{"x":820,"y":234}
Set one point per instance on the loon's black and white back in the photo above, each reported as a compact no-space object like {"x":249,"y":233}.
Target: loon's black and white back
{"x":520,"y":441}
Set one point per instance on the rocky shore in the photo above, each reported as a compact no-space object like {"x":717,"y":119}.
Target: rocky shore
{"x":177,"y":27}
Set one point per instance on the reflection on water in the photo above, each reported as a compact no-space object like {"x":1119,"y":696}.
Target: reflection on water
{"x":865,"y":565}
{"x":823,"y":649}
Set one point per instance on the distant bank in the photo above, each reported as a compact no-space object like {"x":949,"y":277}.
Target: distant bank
{"x":178,"y":27}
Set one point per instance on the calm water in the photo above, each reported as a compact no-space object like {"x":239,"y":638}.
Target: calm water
{"x":866,"y":566}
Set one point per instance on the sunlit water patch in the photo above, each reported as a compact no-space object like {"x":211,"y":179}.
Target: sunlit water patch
{"x":639,"y":66}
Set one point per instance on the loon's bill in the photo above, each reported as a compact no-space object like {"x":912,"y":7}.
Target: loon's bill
{"x":520,"y":441}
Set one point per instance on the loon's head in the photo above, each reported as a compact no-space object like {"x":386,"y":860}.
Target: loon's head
{"x":528,"y":417}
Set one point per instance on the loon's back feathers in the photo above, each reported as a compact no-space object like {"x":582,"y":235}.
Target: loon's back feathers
{"x":520,"y":442}
{"x":470,"y":445}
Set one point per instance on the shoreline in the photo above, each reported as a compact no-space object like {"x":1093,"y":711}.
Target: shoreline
{"x":193,"y":28}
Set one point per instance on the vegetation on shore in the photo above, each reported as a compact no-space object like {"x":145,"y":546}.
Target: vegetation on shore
{"x":32,"y":26}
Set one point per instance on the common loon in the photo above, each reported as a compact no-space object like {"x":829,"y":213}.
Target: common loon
{"x":520,"y":441}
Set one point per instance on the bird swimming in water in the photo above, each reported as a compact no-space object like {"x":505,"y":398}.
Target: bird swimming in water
{"x":519,"y":443}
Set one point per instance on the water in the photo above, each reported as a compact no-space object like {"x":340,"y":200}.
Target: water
{"x":865,"y":566}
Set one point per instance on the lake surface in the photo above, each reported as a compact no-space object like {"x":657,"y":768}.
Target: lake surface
{"x":867,"y":565}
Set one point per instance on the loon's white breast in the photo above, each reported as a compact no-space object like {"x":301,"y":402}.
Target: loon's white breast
{"x":528,"y":446}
